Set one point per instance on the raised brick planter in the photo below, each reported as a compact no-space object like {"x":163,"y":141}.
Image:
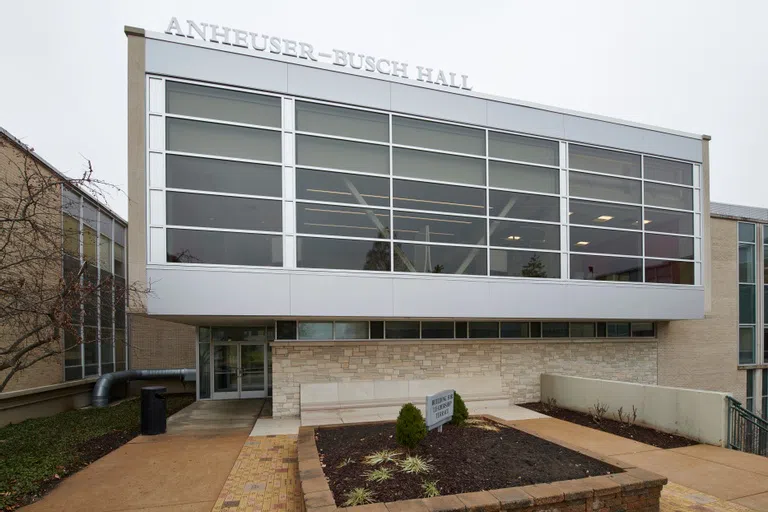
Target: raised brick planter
{"x":634,"y":490}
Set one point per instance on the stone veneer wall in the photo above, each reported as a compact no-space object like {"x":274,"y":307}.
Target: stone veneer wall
{"x":520,"y":364}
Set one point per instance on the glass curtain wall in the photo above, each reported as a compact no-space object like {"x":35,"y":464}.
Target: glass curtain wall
{"x":747,"y":293}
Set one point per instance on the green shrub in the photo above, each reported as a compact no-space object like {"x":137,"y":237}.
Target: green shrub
{"x":460,"y":412}
{"x":410,"y":428}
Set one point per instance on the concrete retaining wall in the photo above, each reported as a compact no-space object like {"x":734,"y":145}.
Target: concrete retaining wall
{"x":17,"y":406}
{"x":696,"y":414}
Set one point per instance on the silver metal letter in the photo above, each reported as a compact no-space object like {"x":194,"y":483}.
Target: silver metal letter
{"x":305,"y":51}
{"x":440,"y":80}
{"x":379,"y":69}
{"x":241,"y":38}
{"x":464,"y":85}
{"x":352,"y":56}
{"x":453,"y":80}
{"x":424,"y":74}
{"x":274,"y":45}
{"x":370,"y":64}
{"x":174,"y":25}
{"x":256,"y":46}
{"x":339,"y":58}
{"x":289,"y":48}
{"x":191,"y":25}
{"x":401,"y":68}
{"x":223,"y":34}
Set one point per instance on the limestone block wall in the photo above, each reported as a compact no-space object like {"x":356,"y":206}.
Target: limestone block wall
{"x":519,"y":364}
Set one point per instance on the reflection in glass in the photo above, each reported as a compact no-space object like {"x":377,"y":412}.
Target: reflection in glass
{"x":339,"y":187}
{"x":431,"y":227}
{"x":315,"y":330}
{"x":618,"y":329}
{"x":441,"y":259}
{"x":746,"y":263}
{"x":746,"y":232}
{"x":252,"y":367}
{"x":514,"y":329}
{"x":604,"y":215}
{"x":606,"y":241}
{"x":524,"y":149}
{"x":222,"y":140}
{"x":665,"y":271}
{"x":668,"y":221}
{"x":603,"y":160}
{"x":554,"y":329}
{"x":202,"y":210}
{"x":343,"y":254}
{"x":227,"y":105}
{"x":668,"y":170}
{"x":668,"y":196}
{"x":192,"y":246}
{"x":643,"y":330}
{"x":437,"y":330}
{"x":342,"y":122}
{"x":747,"y":304}
{"x":604,"y":187}
{"x":224,"y":368}
{"x":483,"y":329}
{"x":438,"y":167}
{"x":516,"y":205}
{"x":416,"y":195}
{"x":525,"y":235}
{"x":351,"y":330}
{"x":583,"y":330}
{"x":402,"y":330}
{"x":524,"y":177}
{"x":342,"y":154}
{"x":223,"y":176}
{"x":525,"y":263}
{"x":746,"y":345}
{"x":606,"y":268}
{"x":285,"y":330}
{"x":324,"y":219}
{"x":666,"y":246}
{"x":440,"y":136}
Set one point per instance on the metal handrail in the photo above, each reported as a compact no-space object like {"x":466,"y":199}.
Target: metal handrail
{"x":747,"y":431}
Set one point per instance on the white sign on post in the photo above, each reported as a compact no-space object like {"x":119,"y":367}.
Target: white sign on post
{"x":439,"y":409}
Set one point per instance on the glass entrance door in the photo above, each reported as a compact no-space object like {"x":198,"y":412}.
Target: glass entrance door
{"x":239,"y":370}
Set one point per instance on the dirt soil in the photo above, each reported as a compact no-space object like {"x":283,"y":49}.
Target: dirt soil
{"x":464,"y":459}
{"x":634,"y":432}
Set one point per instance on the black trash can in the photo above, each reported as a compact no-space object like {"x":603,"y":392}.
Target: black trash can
{"x":153,"y":410}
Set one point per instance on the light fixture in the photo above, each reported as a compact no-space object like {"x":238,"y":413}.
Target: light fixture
{"x":582,"y":242}
{"x":513,"y":237}
{"x":604,"y":218}
{"x":570,"y":213}
{"x":647,"y":221}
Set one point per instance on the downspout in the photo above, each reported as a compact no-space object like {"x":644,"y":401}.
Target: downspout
{"x":100,"y":396}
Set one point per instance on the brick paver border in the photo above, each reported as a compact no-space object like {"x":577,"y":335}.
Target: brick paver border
{"x":633,"y":490}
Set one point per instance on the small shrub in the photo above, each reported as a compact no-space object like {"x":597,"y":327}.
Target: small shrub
{"x":410,"y":428}
{"x":378,"y":475}
{"x":550,"y":405}
{"x":626,"y":420}
{"x":430,"y":489}
{"x":415,"y":464}
{"x":346,"y":462}
{"x":381,"y":457}
{"x":359,"y":496}
{"x":598,"y":412}
{"x":460,"y":412}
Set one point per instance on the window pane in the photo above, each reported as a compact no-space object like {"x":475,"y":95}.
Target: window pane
{"x":338,"y":187}
{"x":105,"y":253}
{"x":105,"y":225}
{"x":668,"y":221}
{"x":747,"y":304}
{"x":91,"y":347}
{"x":286,"y":330}
{"x":606,"y":241}
{"x":119,"y":233}
{"x":120,"y":300}
{"x":91,"y":295}
{"x":438,"y":167}
{"x":340,"y":220}
{"x":237,"y":334}
{"x":223,"y":176}
{"x":222,"y":140}
{"x":105,"y":295}
{"x":483,"y":329}
{"x":514,"y":330}
{"x":342,"y":122}
{"x":90,"y":215}
{"x":437,"y":330}
{"x":72,"y":235}
{"x":416,"y":195}
{"x":675,"y":272}
{"x":665,"y":246}
{"x":604,"y":187}
{"x":186,"y":209}
{"x":746,"y":263}
{"x":315,"y":330}
{"x":342,"y":154}
{"x":746,"y":345}
{"x":603,"y":160}
{"x":235,"y":106}
{"x":446,"y":137}
{"x":107,"y":356}
{"x":343,"y":254}
{"x":70,"y":203}
{"x":554,"y":329}
{"x":461,"y":329}
{"x":204,"y":367}
{"x":642,"y":330}
{"x":668,"y":170}
{"x":402,"y":330}
{"x":72,"y":356}
{"x":377,"y":330}
{"x":524,"y":177}
{"x":606,"y":268}
{"x":535,"y":329}
{"x":525,"y":235}
{"x":525,"y":264}
{"x":524,"y":206}
{"x":191,"y":246}
{"x":89,"y":244}
{"x":119,"y":268}
{"x":583,"y":330}
{"x":668,"y":196}
{"x":431,"y":227}
{"x":120,"y":349}
{"x":746,"y":232}
{"x":618,"y":330}
{"x":601,"y":329}
{"x":351,"y":330}
{"x":440,"y":259}
{"x":604,"y":214}
{"x":524,"y":149}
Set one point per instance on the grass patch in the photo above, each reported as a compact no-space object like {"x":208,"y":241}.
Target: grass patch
{"x":415,"y":464}
{"x":378,"y":475}
{"x":39,"y":452}
{"x":359,"y":496}
{"x":381,"y":457}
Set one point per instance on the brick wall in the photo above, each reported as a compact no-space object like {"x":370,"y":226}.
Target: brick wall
{"x":156,"y":344}
{"x":519,"y":364}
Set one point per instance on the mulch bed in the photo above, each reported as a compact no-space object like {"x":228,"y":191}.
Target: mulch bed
{"x":635,"y":432}
{"x":464,"y":459}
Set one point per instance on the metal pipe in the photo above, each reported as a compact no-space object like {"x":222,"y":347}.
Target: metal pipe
{"x":100,"y":395}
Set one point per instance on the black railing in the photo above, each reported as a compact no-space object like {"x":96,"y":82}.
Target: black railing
{"x":747,"y":431}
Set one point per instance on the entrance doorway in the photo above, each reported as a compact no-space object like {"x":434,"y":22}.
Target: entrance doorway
{"x":239,"y":369}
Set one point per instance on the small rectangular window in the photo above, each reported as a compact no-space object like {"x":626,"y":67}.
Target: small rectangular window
{"x":202,"y":210}
{"x":535,"y":329}
{"x":437,"y":166}
{"x":223,"y":176}
{"x":344,"y":254}
{"x":461,"y":329}
{"x":668,"y":170}
{"x":223,"y":140}
{"x":105,"y":254}
{"x":607,"y":188}
{"x":750,"y":405}
{"x":606,"y":268}
{"x":514,"y":330}
{"x":440,"y":330}
{"x":350,"y":330}
{"x":601,"y":329}
{"x":525,"y":235}
{"x":320,"y":219}
{"x":286,"y":330}
{"x":746,"y":232}
{"x":337,"y":187}
{"x":606,"y":241}
{"x":416,"y":195}
{"x":604,"y":215}
{"x":342,"y":154}
{"x":315,"y":330}
{"x":440,"y":136}
{"x":524,"y":149}
{"x":224,"y":248}
{"x":583,"y":330}
{"x":483,"y":329}
{"x":72,"y":235}
{"x":667,"y":246}
{"x":523,"y":177}
{"x":668,"y":196}
{"x":618,"y":329}
{"x":119,"y":268}
{"x":89,"y":244}
{"x":377,"y":330}
{"x":672,"y":272}
{"x":747,"y":345}
{"x":402,"y":330}
{"x":433,"y":227}
{"x":643,"y":330}
{"x":554,"y":329}
{"x":603,"y":161}
{"x":668,"y":221}
{"x":516,"y":205}
{"x":224,"y":104}
{"x":440,"y":259}
{"x":525,"y":263}
{"x":341,"y":122}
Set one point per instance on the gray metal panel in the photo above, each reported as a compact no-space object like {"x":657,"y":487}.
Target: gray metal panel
{"x":197,"y":63}
{"x":339,"y":87}
{"x":621,"y":302}
{"x":737,"y":211}
{"x":429,"y":297}
{"x":438,"y":104}
{"x":525,"y":120}
{"x":591,"y":131}
{"x":335,"y":295}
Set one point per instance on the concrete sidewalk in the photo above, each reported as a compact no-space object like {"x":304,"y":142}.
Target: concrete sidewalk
{"x":730,"y":476}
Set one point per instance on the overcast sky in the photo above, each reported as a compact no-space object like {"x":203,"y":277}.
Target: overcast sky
{"x":697,"y":66}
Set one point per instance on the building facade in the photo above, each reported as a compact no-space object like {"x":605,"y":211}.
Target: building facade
{"x":311,"y":223}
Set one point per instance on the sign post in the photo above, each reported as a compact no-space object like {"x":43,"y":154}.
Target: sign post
{"x":439,"y":409}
